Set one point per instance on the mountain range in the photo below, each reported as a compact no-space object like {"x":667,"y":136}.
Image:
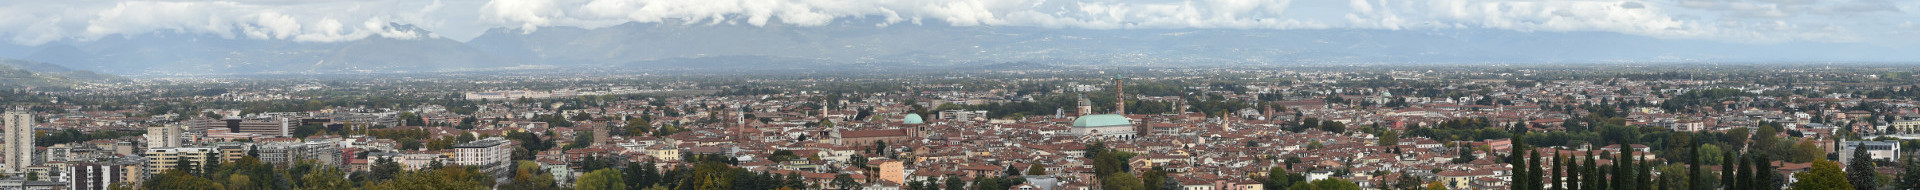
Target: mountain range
{"x":856,"y":44}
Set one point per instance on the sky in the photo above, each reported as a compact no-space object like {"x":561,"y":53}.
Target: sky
{"x":1880,"y":22}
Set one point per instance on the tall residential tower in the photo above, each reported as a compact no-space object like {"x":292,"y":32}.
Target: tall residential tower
{"x":19,"y":140}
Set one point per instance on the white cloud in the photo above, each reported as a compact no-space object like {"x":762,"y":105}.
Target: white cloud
{"x":317,"y":21}
{"x":37,"y":22}
{"x":529,"y":15}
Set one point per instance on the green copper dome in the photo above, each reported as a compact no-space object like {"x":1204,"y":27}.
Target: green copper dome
{"x":1101,"y":120}
{"x":913,"y":119}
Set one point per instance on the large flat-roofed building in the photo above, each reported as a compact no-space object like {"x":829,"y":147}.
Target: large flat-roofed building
{"x":963,"y":115}
{"x":1909,"y":126}
{"x":164,"y":136}
{"x":100,"y":176}
{"x":1103,"y":126}
{"x":263,"y":127}
{"x":871,"y":137}
{"x":490,"y":154}
{"x":1876,"y":150}
{"x":159,"y":160}
{"x":287,"y":154}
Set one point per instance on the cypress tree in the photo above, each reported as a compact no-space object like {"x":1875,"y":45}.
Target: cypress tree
{"x":1762,"y":172}
{"x":1744,"y":173}
{"x":1646,"y":178}
{"x":1694,"y":170}
{"x":1518,"y":159}
{"x":1660,"y":183}
{"x":1727,"y":171}
{"x":1534,"y":172}
{"x":1573,"y":173}
{"x":1860,"y":169}
{"x":1553,"y":177}
{"x":1911,"y":178}
{"x":1623,"y":169}
{"x":1594,"y":176}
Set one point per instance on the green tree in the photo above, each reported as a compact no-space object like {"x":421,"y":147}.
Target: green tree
{"x":383,"y":169}
{"x":603,"y":179}
{"x":1333,"y":184}
{"x":1711,"y":154}
{"x":639,"y":126}
{"x":1727,"y":172}
{"x":1661,"y":183}
{"x":1036,"y":169}
{"x":916,"y":185}
{"x":954,"y":183}
{"x":1807,"y":151}
{"x":580,"y":140}
{"x":1738,"y":137}
{"x":1825,"y":175}
{"x":1156,"y":178}
{"x":1860,"y":170}
{"x":641,"y":175}
{"x":1574,"y":172}
{"x":411,"y":119}
{"x":240,"y":182}
{"x":1333,"y":126}
{"x":180,"y":179}
{"x":1389,"y":138}
{"x":1911,"y":178}
{"x":1121,"y":181}
{"x":444,"y":178}
{"x":528,"y":176}
{"x":1624,"y":173}
{"x":1594,"y":179}
{"x":1673,"y":176}
{"x":327,"y":178}
{"x":1518,"y":158}
{"x":1559,"y":167}
{"x":1695,"y":172}
{"x":1644,"y":178}
{"x":1763,"y":173}
{"x":845,"y":181}
{"x":1277,"y":178}
{"x":708,"y":175}
{"x":1743,"y":174}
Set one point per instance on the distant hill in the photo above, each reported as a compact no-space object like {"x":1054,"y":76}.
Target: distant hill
{"x":164,"y":53}
{"x":938,"y":45}
{"x":1011,"y":66}
{"x":21,"y":73}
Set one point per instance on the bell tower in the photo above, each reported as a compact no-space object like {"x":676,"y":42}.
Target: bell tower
{"x":1119,"y":96}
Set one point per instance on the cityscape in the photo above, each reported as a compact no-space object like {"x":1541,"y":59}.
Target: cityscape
{"x":1040,"y":127}
{"x":959,"y":95}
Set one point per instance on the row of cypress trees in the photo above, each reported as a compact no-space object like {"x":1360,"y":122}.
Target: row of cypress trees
{"x":1626,"y":171}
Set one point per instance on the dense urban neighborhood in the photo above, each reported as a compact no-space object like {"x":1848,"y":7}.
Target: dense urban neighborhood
{"x":1021,"y":126}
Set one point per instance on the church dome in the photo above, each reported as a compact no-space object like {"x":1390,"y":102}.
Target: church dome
{"x":1101,"y":120}
{"x":912,"y":119}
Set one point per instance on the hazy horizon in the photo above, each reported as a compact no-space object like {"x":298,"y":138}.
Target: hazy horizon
{"x":275,"y":36}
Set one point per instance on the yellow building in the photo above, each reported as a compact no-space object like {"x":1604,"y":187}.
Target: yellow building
{"x":159,"y":160}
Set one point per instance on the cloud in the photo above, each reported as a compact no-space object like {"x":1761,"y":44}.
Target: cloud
{"x":38,"y":22}
{"x":529,"y":15}
{"x":317,"y":21}
{"x":1632,"y":5}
